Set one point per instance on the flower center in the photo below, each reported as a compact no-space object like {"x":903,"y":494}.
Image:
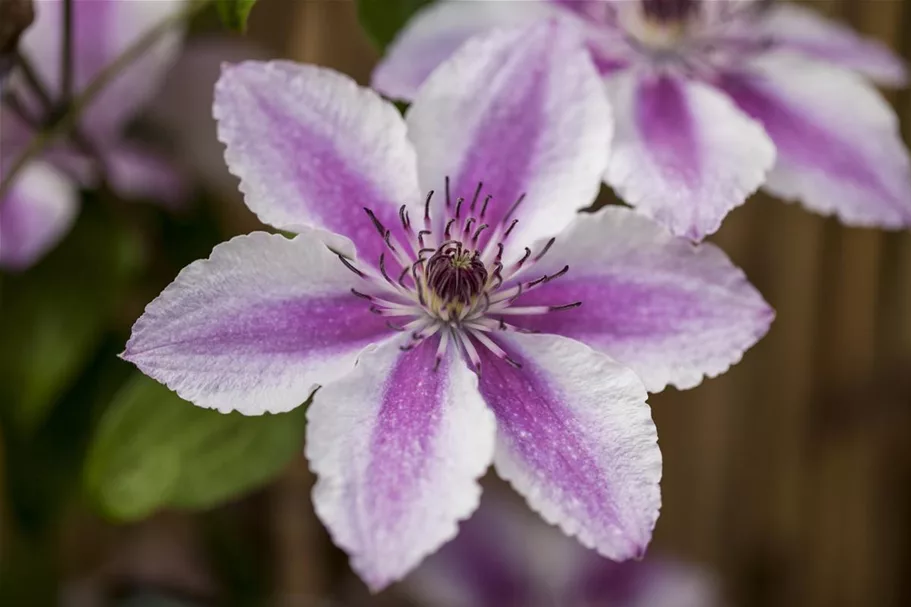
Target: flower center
{"x":658,"y":24}
{"x":455,"y":276}
{"x":447,"y":279}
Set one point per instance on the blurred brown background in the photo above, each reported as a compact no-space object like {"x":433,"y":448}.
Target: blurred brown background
{"x":790,"y":475}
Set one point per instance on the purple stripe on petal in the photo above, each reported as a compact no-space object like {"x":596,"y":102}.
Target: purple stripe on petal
{"x":666,"y":124}
{"x":799,"y":137}
{"x":801,"y":29}
{"x":256,"y":326}
{"x":407,"y":426}
{"x":621,"y":309}
{"x":684,"y":154}
{"x":337,"y":178}
{"x":305,"y":326}
{"x":311,"y":147}
{"x":509,"y":128}
{"x":838,"y":141}
{"x":576,"y":439}
{"x":671,"y":311}
{"x":398,"y":447}
{"x":504,"y":152}
{"x":549,"y":439}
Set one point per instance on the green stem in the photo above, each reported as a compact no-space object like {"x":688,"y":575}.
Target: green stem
{"x":34,"y":81}
{"x":69,"y":119}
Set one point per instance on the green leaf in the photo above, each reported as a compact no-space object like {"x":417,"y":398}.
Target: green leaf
{"x":234,"y":13}
{"x":54,"y":317}
{"x":154,"y":450}
{"x":382,"y":19}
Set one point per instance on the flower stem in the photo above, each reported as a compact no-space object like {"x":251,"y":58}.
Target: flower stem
{"x":70,"y":118}
{"x":34,"y":82}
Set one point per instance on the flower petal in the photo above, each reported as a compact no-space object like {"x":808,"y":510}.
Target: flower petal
{"x":670,"y":310}
{"x":490,"y":563}
{"x":649,"y":583}
{"x":437,"y":31}
{"x":801,"y":29}
{"x":524,"y":111}
{"x":255,"y":327}
{"x":184,"y":106}
{"x":102,"y":31}
{"x":838,"y":142}
{"x":683,"y":153}
{"x":312,"y":148}
{"x":37,"y":213}
{"x":137,"y":172}
{"x":398,"y":448}
{"x":575,"y":437}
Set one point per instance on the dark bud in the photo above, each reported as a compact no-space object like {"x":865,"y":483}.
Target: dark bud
{"x":15,"y":17}
{"x":456,"y":275}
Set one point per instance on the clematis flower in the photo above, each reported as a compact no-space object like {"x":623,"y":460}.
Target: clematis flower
{"x":504,"y":558}
{"x":712,"y":99}
{"x":43,"y":203}
{"x":446,"y":325}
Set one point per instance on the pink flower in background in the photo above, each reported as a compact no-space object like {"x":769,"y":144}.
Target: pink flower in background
{"x":505,"y":558}
{"x":448,"y":330}
{"x":43,"y":203}
{"x":712,"y":99}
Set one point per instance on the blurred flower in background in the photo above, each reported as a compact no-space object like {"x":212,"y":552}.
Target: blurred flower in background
{"x":43,"y":201}
{"x":710,"y":96}
{"x":504,"y":557}
{"x":183,"y":109}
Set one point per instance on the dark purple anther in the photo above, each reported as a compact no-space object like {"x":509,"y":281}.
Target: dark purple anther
{"x":456,"y":274}
{"x":669,"y":10}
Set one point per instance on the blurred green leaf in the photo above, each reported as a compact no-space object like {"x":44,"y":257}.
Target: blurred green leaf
{"x":234,"y":13}
{"x":382,"y":19}
{"x":54,"y":317}
{"x":154,"y":450}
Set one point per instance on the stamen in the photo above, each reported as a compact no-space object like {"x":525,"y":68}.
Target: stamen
{"x":377,"y":223}
{"x":351,"y":267}
{"x":427,"y":210}
{"x":477,"y":235}
{"x":456,"y":286}
{"x":546,"y":279}
{"x":484,"y":207}
{"x":383,"y":270}
{"x":565,"y":306}
{"x":441,"y":349}
{"x":403,"y":217}
{"x":470,"y":351}
{"x":497,"y":350}
{"x":524,"y":258}
{"x":468,"y":224}
{"x":474,"y":199}
{"x":446,"y":232}
{"x":546,"y":248}
{"x":510,"y":228}
{"x":513,"y":208}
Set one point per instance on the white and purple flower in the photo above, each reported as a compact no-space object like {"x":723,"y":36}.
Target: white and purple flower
{"x":503,"y":557}
{"x":712,"y":98}
{"x":43,"y":203}
{"x":447,"y":327}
